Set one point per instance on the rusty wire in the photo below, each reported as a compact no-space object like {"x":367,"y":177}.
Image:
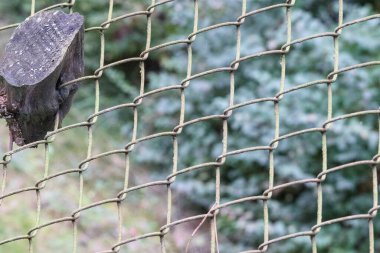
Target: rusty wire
{"x":212,"y":214}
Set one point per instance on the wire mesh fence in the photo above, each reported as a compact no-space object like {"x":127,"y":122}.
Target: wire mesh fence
{"x":211,"y":217}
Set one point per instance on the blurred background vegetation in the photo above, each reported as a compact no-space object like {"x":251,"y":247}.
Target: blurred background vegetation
{"x":291,"y":210}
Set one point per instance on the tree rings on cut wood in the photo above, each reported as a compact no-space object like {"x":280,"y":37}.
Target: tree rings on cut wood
{"x":45,"y":51}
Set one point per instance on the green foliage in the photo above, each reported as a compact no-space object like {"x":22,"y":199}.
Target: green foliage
{"x":293,"y":209}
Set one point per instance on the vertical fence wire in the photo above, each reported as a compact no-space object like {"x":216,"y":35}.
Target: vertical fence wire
{"x":137,"y":102}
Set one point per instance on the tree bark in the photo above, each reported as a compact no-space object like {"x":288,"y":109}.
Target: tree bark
{"x":45,"y":51}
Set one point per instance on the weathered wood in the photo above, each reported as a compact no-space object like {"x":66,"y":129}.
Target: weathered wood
{"x":45,"y":51}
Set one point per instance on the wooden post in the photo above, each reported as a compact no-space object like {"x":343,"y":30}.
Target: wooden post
{"x":45,"y":51}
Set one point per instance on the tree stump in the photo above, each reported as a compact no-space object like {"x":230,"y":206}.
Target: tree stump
{"x":45,"y":51}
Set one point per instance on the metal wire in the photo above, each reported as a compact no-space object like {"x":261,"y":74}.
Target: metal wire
{"x":133,"y":105}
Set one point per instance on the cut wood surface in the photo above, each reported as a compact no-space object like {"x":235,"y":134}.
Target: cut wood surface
{"x":45,"y":51}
